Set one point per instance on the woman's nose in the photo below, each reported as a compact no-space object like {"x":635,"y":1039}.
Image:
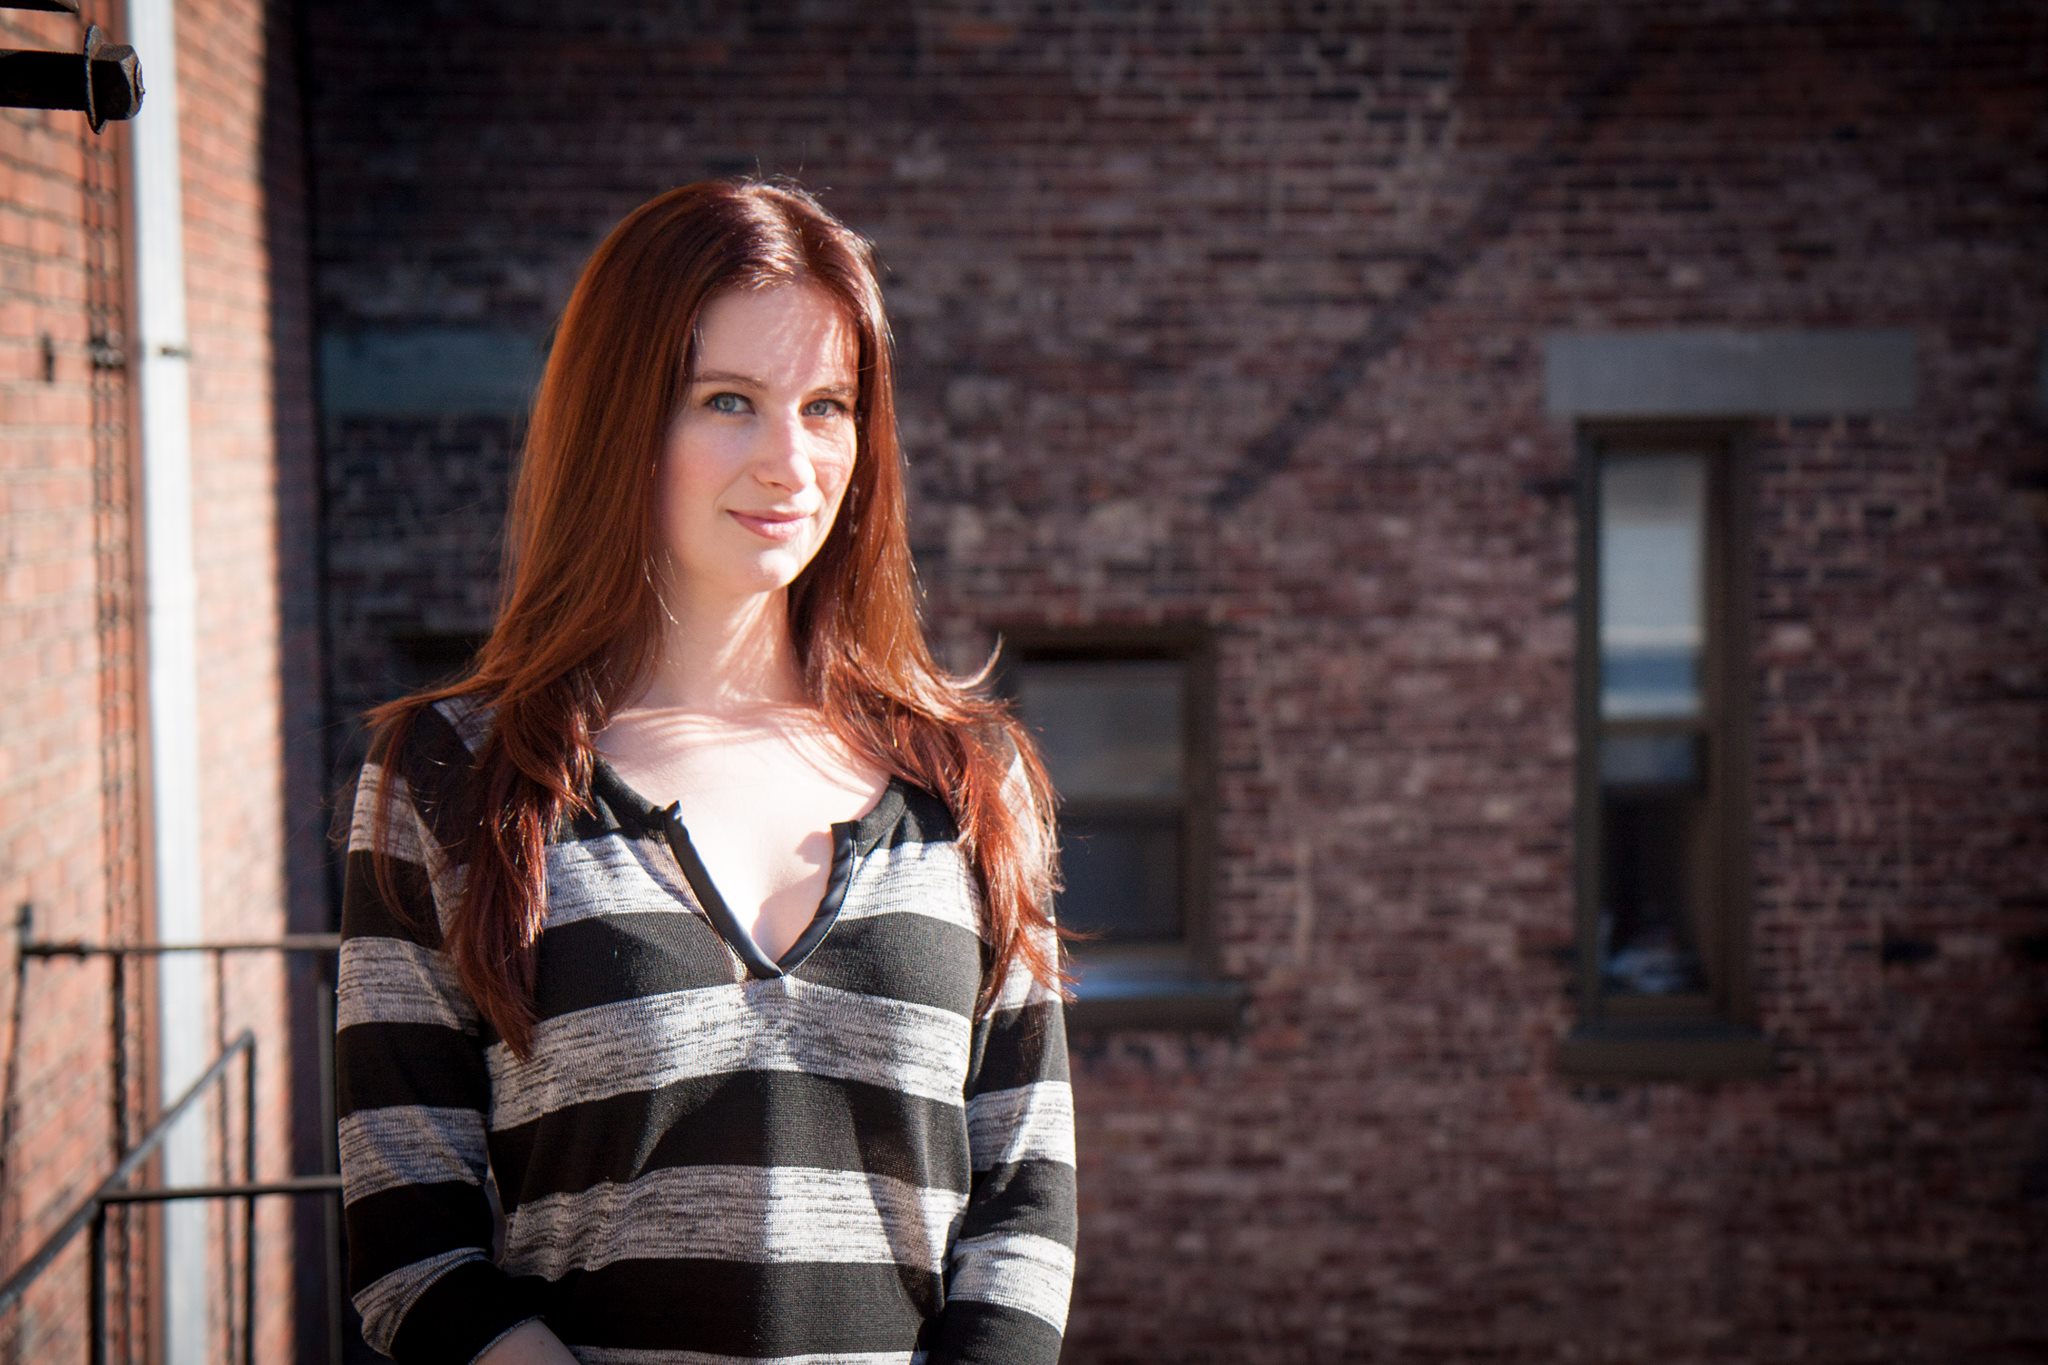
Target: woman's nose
{"x":786,"y":454}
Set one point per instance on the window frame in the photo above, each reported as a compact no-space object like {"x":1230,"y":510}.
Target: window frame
{"x":1177,"y":984}
{"x":1710,"y":1033}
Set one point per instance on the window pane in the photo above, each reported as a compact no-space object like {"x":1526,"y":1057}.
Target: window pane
{"x":423,"y":658}
{"x":1652,"y":583}
{"x":1107,"y":727}
{"x":1122,"y":876}
{"x":1649,"y":758}
{"x":1654,"y":839}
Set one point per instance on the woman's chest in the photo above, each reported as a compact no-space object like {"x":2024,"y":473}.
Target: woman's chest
{"x":630,"y":921}
{"x":641,"y":996}
{"x":765,"y":851}
{"x":769,"y":869}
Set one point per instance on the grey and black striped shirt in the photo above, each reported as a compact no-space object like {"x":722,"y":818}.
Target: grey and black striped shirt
{"x":709,"y":1156}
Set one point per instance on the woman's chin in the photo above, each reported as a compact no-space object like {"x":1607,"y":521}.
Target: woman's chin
{"x":767,"y":570}
{"x":771,"y":571}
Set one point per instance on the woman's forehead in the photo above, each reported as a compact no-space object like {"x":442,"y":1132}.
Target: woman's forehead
{"x":783,"y":332}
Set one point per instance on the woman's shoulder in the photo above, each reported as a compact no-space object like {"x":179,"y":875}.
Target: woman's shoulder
{"x":927,"y":818}
{"x":447,"y":733}
{"x":467,"y":717}
{"x":437,"y":754}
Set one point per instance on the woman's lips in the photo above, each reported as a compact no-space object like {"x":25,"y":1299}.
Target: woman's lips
{"x":769,"y":529}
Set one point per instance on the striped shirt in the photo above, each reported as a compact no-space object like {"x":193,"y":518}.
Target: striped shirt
{"x":709,"y":1156}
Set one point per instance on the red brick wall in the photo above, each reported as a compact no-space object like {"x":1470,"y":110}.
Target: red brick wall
{"x":246,"y":273}
{"x":1138,"y":257}
{"x":71,"y":807}
{"x":68,"y":724}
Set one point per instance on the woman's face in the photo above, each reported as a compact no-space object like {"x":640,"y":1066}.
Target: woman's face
{"x":759,"y":453}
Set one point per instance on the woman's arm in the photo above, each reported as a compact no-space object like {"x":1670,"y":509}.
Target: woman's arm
{"x":1010,"y":1273}
{"x":1011,"y":1270}
{"x":412,"y":1094}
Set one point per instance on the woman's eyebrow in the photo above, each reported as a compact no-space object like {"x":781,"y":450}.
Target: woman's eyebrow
{"x":726,"y":377}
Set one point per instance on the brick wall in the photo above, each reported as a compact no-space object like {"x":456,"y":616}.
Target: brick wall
{"x":246,"y":241}
{"x":69,"y":797}
{"x":255,"y":518}
{"x":73,"y":808}
{"x":1225,"y":314}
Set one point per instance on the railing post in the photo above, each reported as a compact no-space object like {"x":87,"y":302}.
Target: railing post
{"x":97,"y":1252}
{"x":122,"y":1243}
{"x":249,"y":1206}
{"x":224,"y":1105}
{"x":92,"y":1213}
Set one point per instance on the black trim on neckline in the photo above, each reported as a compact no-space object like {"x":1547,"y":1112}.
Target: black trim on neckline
{"x":729,"y":927}
{"x":868,"y":828}
{"x":851,"y":840}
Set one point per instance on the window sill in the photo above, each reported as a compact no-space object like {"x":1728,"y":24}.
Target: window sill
{"x":1654,"y":1050}
{"x":1159,"y":991}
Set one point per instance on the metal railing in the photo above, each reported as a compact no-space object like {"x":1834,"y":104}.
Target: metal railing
{"x":113,"y":1191}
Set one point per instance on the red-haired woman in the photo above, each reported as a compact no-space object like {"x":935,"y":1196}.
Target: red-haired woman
{"x":703,"y":927}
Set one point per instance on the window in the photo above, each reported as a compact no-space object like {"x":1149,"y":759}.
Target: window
{"x":1663,"y":981}
{"x":426,"y":658}
{"x":1124,"y":720}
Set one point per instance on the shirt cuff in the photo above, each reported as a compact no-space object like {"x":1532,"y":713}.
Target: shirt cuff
{"x":461,"y":1315}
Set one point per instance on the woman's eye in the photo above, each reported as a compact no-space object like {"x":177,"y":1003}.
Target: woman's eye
{"x":717,"y":399}
{"x":830,"y":402}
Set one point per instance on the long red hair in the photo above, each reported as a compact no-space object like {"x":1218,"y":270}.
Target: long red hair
{"x":578,"y":624}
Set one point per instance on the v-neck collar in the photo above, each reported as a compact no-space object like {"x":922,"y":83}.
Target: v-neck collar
{"x":851,"y":840}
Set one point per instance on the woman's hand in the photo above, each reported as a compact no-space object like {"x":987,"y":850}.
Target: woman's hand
{"x":530,"y":1343}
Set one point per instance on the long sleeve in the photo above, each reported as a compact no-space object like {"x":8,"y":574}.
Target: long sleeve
{"x":412,"y":1095}
{"x":1011,"y":1270}
{"x":1010,"y":1274}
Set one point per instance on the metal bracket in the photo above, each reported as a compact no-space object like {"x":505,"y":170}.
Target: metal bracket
{"x":104,"y":80}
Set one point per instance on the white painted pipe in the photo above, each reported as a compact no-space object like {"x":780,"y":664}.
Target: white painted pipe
{"x":171,"y":598}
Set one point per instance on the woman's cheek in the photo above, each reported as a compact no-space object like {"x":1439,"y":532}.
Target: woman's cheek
{"x":842,"y":470}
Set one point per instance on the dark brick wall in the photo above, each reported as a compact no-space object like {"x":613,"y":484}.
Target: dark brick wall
{"x":1235,"y":315}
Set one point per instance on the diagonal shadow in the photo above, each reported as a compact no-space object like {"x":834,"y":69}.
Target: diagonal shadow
{"x":1587,"y":104}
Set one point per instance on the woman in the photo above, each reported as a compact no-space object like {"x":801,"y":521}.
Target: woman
{"x":706,"y":922}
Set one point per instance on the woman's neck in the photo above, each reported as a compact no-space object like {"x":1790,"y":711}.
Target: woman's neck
{"x":725,"y":656}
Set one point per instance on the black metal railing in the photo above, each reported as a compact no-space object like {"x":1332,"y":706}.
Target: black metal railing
{"x":113,"y":1192}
